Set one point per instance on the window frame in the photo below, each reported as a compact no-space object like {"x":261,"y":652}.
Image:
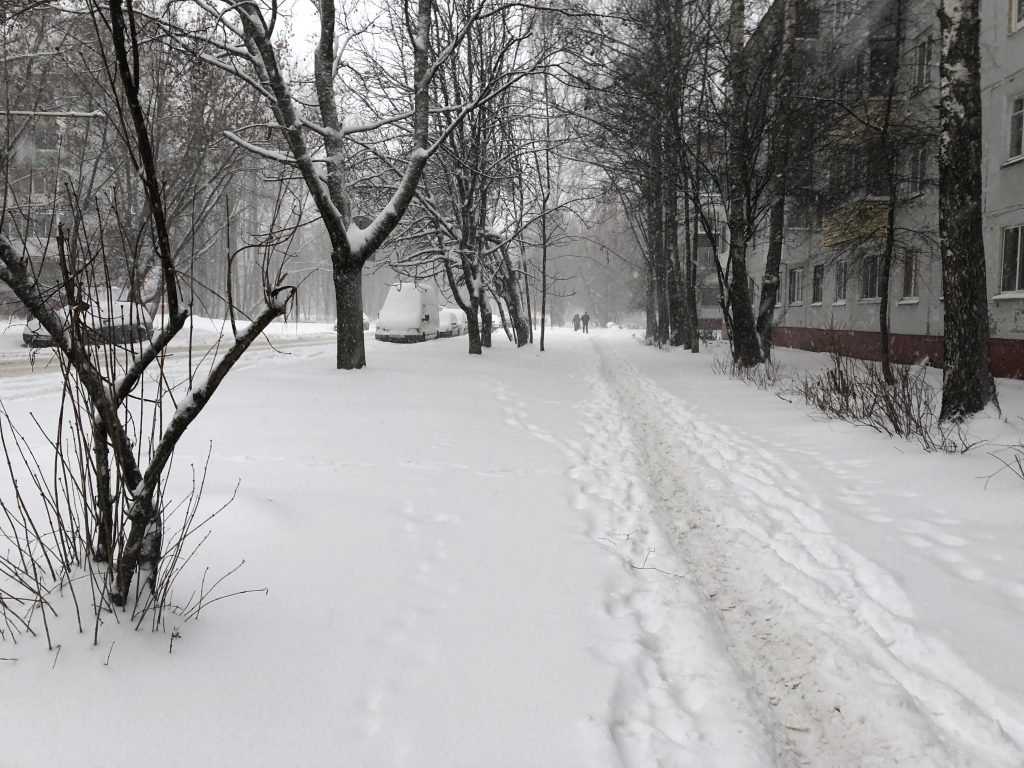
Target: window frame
{"x":1018,"y":281}
{"x":795,"y":279}
{"x":842,"y":268}
{"x":817,"y":284}
{"x":1016,"y":15}
{"x":870,"y":263}
{"x":919,"y":169}
{"x":1015,"y":114}
{"x":911,"y":270}
{"x":923,"y":53}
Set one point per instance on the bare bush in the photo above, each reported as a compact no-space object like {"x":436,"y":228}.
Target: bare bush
{"x":764,"y":376}
{"x":1011,"y":457}
{"x":856,"y":391}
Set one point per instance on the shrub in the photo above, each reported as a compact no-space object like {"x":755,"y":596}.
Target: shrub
{"x":856,"y":391}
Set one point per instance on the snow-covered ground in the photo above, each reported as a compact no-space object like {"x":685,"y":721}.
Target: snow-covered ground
{"x":605,"y":555}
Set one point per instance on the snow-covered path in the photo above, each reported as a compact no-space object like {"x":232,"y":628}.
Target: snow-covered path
{"x":828,"y":638}
{"x":582,"y":558}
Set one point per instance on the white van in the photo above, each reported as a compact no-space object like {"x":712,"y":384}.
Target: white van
{"x":452,"y":322}
{"x":409,"y":313}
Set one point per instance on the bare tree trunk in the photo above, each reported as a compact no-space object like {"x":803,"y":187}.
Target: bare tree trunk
{"x":473,"y":327}
{"x":967,"y":383}
{"x":690,"y":274}
{"x":773,"y":264}
{"x":348,"y":297}
{"x":651,"y":307}
{"x":544,"y":263}
{"x":746,"y":351}
{"x":779,"y":163}
{"x":679,"y":334}
{"x":526,"y":288}
{"x":104,"y":550}
{"x":515,"y":306}
{"x":885,"y":273}
{"x":486,"y":320}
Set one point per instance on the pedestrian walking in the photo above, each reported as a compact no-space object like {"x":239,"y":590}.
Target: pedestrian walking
{"x":586,"y":322}
{"x":576,"y":321}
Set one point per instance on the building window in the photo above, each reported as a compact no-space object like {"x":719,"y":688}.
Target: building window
{"x":705,"y":257}
{"x":1013,"y":259}
{"x":46,"y":133}
{"x":917,"y":171}
{"x":923,"y":63}
{"x":910,"y":275}
{"x":43,"y":183}
{"x":39,"y":225}
{"x":709,"y":296}
{"x":882,"y":64}
{"x":796,"y":286}
{"x":1017,"y":124}
{"x":845,"y":10}
{"x":869,"y":278}
{"x":841,"y":281}
{"x":1016,"y":15}
{"x":817,"y":282}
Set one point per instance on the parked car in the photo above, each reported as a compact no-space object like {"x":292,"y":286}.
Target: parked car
{"x":103,"y":322}
{"x":451,"y":322}
{"x":409,"y":313}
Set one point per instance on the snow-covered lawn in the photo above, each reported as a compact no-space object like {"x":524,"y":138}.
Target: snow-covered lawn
{"x":605,"y":555}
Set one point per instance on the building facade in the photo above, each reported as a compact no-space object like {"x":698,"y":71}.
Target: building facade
{"x":865,"y":149}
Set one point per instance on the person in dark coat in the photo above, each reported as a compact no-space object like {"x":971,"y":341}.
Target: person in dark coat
{"x":586,"y":322}
{"x":576,"y":321}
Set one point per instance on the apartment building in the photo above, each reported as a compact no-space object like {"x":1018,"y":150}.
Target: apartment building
{"x":866,"y":147}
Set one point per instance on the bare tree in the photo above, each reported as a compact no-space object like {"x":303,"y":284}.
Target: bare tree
{"x":107,"y":387}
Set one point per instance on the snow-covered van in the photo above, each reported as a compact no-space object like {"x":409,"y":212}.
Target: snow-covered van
{"x":409,"y":313}
{"x":452,"y":321}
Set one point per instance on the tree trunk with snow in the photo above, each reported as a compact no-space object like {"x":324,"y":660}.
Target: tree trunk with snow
{"x":348,"y":296}
{"x":486,"y":321}
{"x":967,"y":383}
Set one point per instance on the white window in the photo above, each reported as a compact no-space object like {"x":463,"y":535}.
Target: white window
{"x":1017,"y":124}
{"x":796,"y":286}
{"x":841,"y":281}
{"x":910,"y":274}
{"x":923,"y":63}
{"x":1013,"y":259}
{"x":1016,"y":15}
{"x":869,"y":278}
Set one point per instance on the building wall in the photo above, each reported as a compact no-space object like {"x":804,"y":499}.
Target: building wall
{"x":916,"y":322}
{"x":1002,"y":79}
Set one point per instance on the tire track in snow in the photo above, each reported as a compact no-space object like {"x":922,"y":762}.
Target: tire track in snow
{"x":678,"y":701}
{"x":827,"y":635}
